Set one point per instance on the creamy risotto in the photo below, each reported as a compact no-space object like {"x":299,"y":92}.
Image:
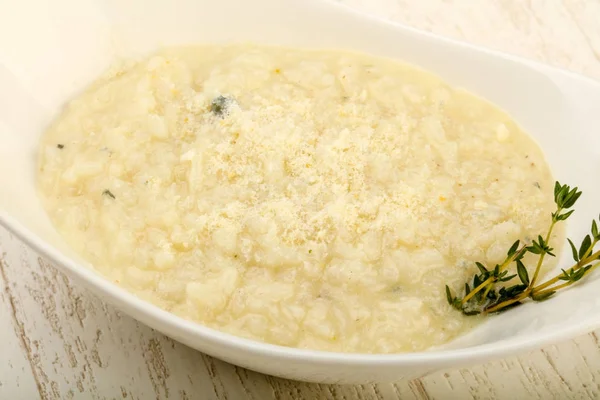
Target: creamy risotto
{"x":314,"y":199}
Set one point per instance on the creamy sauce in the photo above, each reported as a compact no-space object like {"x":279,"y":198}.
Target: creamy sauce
{"x":314,"y":199}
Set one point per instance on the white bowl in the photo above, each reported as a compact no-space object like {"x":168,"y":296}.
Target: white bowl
{"x":50,"y":50}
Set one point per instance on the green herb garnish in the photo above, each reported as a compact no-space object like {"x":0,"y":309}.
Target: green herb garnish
{"x":491,"y":292}
{"x":109,"y":194}
{"x":220,"y":105}
{"x":60,"y":146}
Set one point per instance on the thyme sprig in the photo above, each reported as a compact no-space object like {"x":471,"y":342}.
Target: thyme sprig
{"x":490,"y":290}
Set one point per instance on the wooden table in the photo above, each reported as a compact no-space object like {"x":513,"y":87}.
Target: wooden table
{"x":58,"y":341}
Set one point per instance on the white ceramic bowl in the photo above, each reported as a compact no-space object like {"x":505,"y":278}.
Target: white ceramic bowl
{"x":51,"y":50}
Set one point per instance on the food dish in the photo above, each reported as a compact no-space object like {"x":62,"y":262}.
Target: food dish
{"x":545,"y":101}
{"x":311,"y":199}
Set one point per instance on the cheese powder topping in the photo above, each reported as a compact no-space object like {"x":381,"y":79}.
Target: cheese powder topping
{"x":314,"y":199}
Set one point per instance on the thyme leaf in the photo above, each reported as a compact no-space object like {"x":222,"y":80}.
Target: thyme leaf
{"x":220,"y":105}
{"x":108,"y":193}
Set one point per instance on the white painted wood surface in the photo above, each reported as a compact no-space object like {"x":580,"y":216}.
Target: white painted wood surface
{"x":58,"y":341}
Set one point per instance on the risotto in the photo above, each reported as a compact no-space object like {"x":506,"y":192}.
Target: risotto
{"x":313,"y":199}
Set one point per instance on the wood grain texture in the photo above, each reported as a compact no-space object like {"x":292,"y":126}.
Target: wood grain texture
{"x":59,"y":342}
{"x":15,"y":369}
